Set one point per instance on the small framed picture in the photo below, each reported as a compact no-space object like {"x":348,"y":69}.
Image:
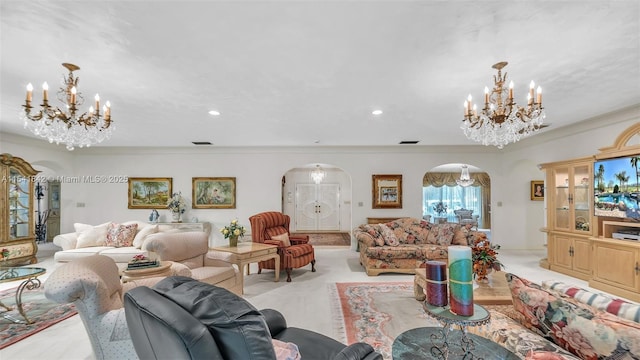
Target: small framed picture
{"x":149,"y":193}
{"x":537,"y":190}
{"x":214,"y":193}
{"x":387,"y":191}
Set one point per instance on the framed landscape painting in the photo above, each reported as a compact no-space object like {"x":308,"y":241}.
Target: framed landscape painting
{"x":214,"y":193}
{"x":149,"y":193}
{"x":387,"y":191}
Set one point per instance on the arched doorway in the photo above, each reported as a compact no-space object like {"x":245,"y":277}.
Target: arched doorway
{"x":322,"y":207}
{"x":442,"y":194}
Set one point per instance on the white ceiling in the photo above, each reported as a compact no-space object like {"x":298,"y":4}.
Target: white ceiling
{"x":306,"y":72}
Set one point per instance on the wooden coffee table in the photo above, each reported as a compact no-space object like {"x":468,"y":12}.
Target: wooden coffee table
{"x":164,"y":269}
{"x":494,"y":292}
{"x":247,"y":253}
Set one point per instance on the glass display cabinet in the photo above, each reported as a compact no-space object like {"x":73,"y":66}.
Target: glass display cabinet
{"x":569,"y":189}
{"x":17,"y":235}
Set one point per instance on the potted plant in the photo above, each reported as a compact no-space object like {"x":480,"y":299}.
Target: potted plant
{"x":485,"y":258}
{"x":232,"y":232}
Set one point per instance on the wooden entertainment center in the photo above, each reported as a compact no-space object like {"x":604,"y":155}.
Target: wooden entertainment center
{"x":581,"y":244}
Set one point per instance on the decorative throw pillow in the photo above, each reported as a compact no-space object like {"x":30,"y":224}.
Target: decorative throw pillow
{"x":619,"y":307}
{"x":284,"y":238}
{"x":388,"y":235}
{"x":285,"y":350}
{"x":442,"y":234}
{"x":375,"y":232}
{"x":91,"y":235}
{"x":120,"y":235}
{"x":138,"y":240}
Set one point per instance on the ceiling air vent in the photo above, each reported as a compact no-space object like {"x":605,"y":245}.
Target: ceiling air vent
{"x":201,"y":143}
{"x":409,"y":142}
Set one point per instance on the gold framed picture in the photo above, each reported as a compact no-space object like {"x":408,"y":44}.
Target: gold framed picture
{"x":387,"y":192}
{"x":537,"y":190}
{"x":149,"y":193}
{"x":213,"y":192}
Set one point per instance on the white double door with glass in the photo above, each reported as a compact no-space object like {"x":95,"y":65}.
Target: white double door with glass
{"x":317,"y":207}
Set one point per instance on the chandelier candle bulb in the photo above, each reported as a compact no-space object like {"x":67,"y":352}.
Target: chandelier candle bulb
{"x":29,"y":92}
{"x":97,"y":101}
{"x":437,"y":291}
{"x":486,"y":95}
{"x":539,"y":91}
{"x":460,"y":280}
{"x":511,"y":90}
{"x":45,"y":91}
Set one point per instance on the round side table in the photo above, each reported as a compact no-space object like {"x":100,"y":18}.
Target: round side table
{"x":447,"y":341}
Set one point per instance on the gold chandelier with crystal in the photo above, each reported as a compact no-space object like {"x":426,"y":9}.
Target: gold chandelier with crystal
{"x":501,"y":121}
{"x":68,"y":126}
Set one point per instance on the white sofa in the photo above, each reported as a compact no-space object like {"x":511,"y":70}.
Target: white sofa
{"x":90,"y":240}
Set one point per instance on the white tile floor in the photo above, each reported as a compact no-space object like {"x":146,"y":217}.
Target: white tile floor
{"x":304,"y":301}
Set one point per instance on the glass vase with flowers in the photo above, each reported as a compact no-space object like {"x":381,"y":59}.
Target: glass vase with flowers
{"x":177,"y":206}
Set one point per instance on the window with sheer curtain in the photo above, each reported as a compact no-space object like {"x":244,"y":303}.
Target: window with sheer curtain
{"x":454,"y":197}
{"x":441,"y":186}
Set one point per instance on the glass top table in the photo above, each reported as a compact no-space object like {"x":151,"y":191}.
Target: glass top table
{"x":443,"y":342}
{"x":427,"y":343}
{"x":31,"y":281}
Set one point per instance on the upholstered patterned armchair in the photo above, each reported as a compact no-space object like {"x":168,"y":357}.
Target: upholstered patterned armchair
{"x":466,"y":217}
{"x":93,"y":284}
{"x":272,"y":227}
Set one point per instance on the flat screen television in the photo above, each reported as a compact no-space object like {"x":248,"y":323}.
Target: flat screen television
{"x":617,"y":188}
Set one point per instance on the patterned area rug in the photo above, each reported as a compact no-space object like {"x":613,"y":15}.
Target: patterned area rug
{"x":328,"y":239}
{"x":376,"y":313}
{"x":38,"y":308}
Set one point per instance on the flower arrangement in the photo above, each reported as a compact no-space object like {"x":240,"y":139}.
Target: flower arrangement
{"x":485,"y":258}
{"x":5,"y":253}
{"x":233,"y":230}
{"x":176,"y":203}
{"x":440,"y":208}
{"x":138,"y":258}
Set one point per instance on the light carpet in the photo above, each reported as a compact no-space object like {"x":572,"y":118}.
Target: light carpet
{"x":38,"y":308}
{"x":376,"y":312}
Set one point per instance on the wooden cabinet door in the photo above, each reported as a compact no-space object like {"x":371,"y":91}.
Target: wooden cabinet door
{"x":582,"y":256}
{"x":615,"y":265}
{"x":562,"y":251}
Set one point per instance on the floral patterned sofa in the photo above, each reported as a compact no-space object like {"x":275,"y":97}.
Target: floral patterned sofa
{"x":555,"y":321}
{"x":403,"y":245}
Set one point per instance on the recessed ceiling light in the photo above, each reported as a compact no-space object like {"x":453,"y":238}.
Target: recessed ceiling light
{"x":377,"y":112}
{"x":214,"y":112}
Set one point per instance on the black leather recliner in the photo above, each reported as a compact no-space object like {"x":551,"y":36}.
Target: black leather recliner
{"x":182,"y":318}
